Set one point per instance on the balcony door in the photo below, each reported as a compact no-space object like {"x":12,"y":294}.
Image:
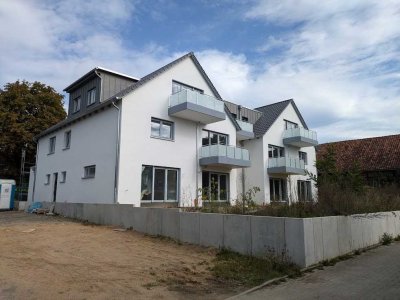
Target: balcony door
{"x":213,"y":138}
{"x":215,"y":186}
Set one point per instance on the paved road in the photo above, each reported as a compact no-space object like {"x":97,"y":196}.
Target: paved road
{"x":373,"y":275}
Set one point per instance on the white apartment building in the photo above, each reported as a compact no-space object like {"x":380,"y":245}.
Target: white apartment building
{"x":170,"y":139}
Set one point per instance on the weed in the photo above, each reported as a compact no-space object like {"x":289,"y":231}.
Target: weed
{"x":397,"y":238}
{"x":357,"y":252}
{"x":386,"y":239}
{"x":250,"y":271}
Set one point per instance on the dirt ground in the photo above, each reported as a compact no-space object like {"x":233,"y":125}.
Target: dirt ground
{"x":57,"y":258}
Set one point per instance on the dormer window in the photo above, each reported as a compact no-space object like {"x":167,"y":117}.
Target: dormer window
{"x":91,"y":96}
{"x":76,"y":104}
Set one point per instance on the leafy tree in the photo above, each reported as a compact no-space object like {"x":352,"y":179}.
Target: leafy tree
{"x":26,"y":109}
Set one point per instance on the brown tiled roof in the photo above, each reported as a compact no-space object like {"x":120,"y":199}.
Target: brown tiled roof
{"x":371,"y":154}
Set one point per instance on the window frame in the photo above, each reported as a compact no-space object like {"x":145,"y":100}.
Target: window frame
{"x":86,"y":174}
{"x":184,"y":86}
{"x":208,"y":189}
{"x":66,"y":135}
{"x":283,"y":196}
{"x":245,"y":119}
{"x":308,"y":191}
{"x":163,"y":122}
{"x":48,"y":177}
{"x":305,"y":157}
{"x":88,"y":95}
{"x":209,"y":132}
{"x":279,"y":148}
{"x":63,"y":177}
{"x":296,"y":125}
{"x":77,"y":99}
{"x":166,"y":169}
{"x":52,"y":145}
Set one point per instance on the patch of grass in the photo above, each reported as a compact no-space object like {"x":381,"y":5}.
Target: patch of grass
{"x":150,"y":285}
{"x":386,"y":239}
{"x":250,"y":271}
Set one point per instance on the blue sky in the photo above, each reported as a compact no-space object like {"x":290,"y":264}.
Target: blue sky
{"x":339,"y":60}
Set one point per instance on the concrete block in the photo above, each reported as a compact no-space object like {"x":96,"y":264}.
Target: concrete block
{"x":237,"y":233}
{"x":330,"y":237}
{"x":211,"y":230}
{"x":267,"y":235}
{"x":318,"y":240}
{"x":356,"y":232}
{"x":153,"y":221}
{"x":189,"y":228}
{"x":140,"y":216}
{"x":344,"y":234}
{"x":309,"y":242}
{"x":294,"y":239}
{"x":126,"y":215}
{"x":170,"y":223}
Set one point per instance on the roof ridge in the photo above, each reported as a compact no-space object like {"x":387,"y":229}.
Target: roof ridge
{"x":291,"y":99}
{"x":363,"y":139}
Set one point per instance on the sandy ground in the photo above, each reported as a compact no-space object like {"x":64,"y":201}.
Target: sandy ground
{"x":56,"y":258}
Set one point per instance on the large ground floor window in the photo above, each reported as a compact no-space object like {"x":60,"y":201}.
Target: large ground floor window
{"x":159,"y":184}
{"x":215,"y":186}
{"x":277,"y":189}
{"x":304,"y":190}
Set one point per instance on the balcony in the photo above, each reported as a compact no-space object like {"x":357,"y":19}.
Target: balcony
{"x":225,"y":156}
{"x":286,"y":165}
{"x":196,"y":107}
{"x":300,"y":137}
{"x":245,"y":132}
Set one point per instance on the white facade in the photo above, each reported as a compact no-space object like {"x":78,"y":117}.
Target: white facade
{"x":119,"y":166}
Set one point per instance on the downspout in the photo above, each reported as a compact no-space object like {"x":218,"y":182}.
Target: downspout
{"x":117,"y":149}
{"x":34,"y":173}
{"x":243,"y":175}
{"x":197,"y":162}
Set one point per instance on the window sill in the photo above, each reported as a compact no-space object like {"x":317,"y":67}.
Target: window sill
{"x":65,"y":149}
{"x":51,"y":153}
{"x":47,"y":184}
{"x":62,"y":181}
{"x":162,"y":138}
{"x":90,"y":177}
{"x":91,"y":104}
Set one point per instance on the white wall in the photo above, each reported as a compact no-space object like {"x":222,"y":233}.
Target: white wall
{"x":93,"y":142}
{"x":274,"y":136}
{"x":138,"y":148}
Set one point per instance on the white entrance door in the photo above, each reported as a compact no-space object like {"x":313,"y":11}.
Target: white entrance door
{"x":5,"y":195}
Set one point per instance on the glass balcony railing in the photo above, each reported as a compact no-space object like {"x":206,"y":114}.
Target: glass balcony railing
{"x":223,"y":150}
{"x":300,"y":132}
{"x":245,"y":126}
{"x":287,"y":162}
{"x":196,"y":98}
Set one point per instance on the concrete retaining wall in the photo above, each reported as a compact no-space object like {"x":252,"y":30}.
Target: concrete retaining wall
{"x":305,"y":241}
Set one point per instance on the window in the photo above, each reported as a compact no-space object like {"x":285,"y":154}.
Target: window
{"x":277,"y":189}
{"x":76,"y":104}
{"x":52,"y":145}
{"x":304,"y":190}
{"x":245,"y":119}
{"x":215,"y":186}
{"x":159,"y":184}
{"x":47,"y":179}
{"x":67,"y":139}
{"x":91,"y":96}
{"x":234,"y":116}
{"x":214,"y":138}
{"x":275,"y":151}
{"x":290,"y":125}
{"x":303,"y":156}
{"x":162,"y":129}
{"x":63,"y":177}
{"x":177,"y":87}
{"x":89,"y":171}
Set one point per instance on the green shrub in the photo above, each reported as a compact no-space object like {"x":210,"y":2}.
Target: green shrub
{"x":386,"y":239}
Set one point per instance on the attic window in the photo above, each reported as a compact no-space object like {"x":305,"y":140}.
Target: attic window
{"x":290,"y":125}
{"x":76,"y":104}
{"x":91,"y":96}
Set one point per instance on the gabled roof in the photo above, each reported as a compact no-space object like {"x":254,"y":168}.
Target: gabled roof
{"x":271,"y":112}
{"x":133,"y":87}
{"x":92,"y":73}
{"x":371,"y":154}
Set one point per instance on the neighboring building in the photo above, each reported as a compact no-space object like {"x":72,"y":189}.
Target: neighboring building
{"x":168,"y":138}
{"x":378,"y":158}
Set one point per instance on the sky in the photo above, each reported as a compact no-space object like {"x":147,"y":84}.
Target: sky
{"x":339,"y":60}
